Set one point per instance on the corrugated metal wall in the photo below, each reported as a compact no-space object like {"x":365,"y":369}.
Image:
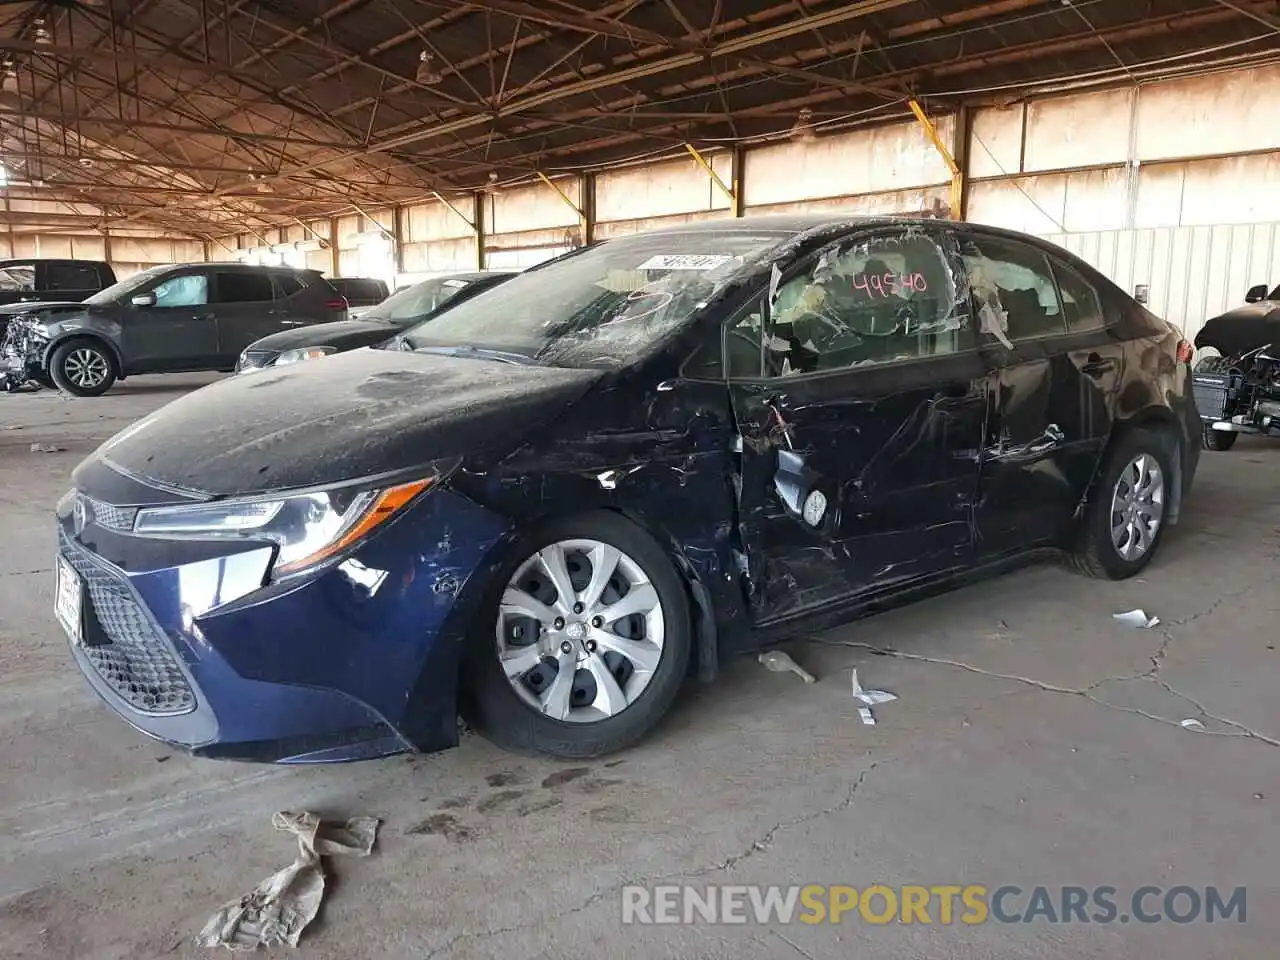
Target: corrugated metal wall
{"x":1193,"y":273}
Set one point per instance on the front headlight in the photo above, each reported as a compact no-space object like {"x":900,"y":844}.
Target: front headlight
{"x":307,"y":528}
{"x":305,"y":353}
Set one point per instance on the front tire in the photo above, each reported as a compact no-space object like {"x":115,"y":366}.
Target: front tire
{"x":1125,"y":520}
{"x":83,"y":368}
{"x":583,"y":640}
{"x":1220,"y":441}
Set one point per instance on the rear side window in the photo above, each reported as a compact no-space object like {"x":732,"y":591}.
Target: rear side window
{"x":1080,"y":301}
{"x":244,"y":288}
{"x":287,"y":285}
{"x":371,"y":291}
{"x":1013,"y":286}
{"x":19,"y":278}
{"x":71,"y":276}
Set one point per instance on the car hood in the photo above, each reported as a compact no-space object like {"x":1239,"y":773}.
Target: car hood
{"x":342,"y":334}
{"x":356,"y":415}
{"x":1242,"y":329}
{"x":40,"y":306}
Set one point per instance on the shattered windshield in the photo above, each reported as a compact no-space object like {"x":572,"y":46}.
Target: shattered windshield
{"x":118,"y":291}
{"x":602,"y":306}
{"x":417,"y":302}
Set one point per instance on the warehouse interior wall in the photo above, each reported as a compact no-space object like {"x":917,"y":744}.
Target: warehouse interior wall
{"x":1148,"y":182}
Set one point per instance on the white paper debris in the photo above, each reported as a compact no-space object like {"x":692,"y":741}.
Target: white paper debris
{"x":46,"y":448}
{"x":872,"y":698}
{"x":775,"y":278}
{"x":995,"y":322}
{"x":779,"y":662}
{"x":869,"y":699}
{"x":1137,"y":619}
{"x":281,"y":906}
{"x":1191,"y":723}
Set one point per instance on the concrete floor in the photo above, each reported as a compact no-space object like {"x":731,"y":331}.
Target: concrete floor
{"x":993,"y":768}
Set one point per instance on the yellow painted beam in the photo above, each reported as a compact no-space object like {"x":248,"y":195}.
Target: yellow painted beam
{"x":715,"y":177}
{"x":563,"y":196}
{"x":957,"y":178}
{"x":465,"y":219}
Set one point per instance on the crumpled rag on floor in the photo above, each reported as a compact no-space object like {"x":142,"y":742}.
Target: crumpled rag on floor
{"x":281,"y":906}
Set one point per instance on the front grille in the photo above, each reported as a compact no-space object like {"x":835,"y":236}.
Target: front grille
{"x":109,"y":516}
{"x":1210,"y":392}
{"x":136,"y":661}
{"x":256,"y":359}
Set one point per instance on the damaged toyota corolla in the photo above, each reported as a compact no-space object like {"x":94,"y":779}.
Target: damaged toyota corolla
{"x":550,"y":506}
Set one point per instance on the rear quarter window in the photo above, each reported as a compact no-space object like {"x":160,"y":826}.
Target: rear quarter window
{"x":287,"y":285}
{"x":1081,"y":303}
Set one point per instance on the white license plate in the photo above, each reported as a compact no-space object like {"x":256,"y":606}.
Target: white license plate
{"x":68,"y":596}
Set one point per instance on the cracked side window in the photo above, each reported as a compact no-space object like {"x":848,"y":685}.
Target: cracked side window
{"x":1013,"y":290}
{"x":882,"y":299}
{"x":20,"y":278}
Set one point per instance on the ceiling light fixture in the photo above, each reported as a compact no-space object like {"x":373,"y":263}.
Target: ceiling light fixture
{"x":41,"y":32}
{"x":803,"y":128}
{"x":427,"y":74}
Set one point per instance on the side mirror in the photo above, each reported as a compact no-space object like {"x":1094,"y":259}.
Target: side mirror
{"x":1256,"y":294}
{"x":143,"y":300}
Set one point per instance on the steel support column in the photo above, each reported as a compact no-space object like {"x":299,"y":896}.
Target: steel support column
{"x":739,"y":181}
{"x":957,"y":176}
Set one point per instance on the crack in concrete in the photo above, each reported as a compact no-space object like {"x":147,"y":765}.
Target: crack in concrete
{"x":763,"y":842}
{"x":792,"y":944}
{"x":1157,"y":659}
{"x":756,"y":846}
{"x":26,"y":573}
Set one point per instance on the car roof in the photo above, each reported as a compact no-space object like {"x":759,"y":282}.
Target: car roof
{"x":478,"y":275}
{"x":19,"y":261}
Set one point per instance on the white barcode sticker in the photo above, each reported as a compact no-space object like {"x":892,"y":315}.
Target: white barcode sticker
{"x":684,"y":261}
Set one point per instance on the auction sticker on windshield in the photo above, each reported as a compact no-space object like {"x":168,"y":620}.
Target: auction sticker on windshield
{"x":684,"y":261}
{"x":68,"y":597}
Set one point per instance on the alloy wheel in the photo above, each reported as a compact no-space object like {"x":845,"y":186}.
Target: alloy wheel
{"x":1137,"y":507}
{"x":86,"y":368}
{"x":580,"y":631}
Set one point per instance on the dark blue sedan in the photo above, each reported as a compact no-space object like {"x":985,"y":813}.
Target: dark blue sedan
{"x":552,"y":504}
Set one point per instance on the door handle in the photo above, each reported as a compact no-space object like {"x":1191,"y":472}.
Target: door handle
{"x":1096,"y":365}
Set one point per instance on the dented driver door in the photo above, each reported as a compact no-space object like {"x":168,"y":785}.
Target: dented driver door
{"x":861,"y":424}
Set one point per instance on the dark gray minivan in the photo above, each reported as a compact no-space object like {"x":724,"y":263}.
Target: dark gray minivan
{"x":164,"y":320}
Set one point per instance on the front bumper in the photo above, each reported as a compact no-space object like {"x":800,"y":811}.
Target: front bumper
{"x":22,"y":351}
{"x":182,"y":640}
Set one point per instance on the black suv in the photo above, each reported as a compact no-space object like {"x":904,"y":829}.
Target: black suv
{"x":35,"y":280}
{"x":60,"y":281}
{"x":164,"y":320}
{"x":361,"y":293}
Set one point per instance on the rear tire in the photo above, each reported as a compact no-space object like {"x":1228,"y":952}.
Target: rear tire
{"x":1119,"y":537}
{"x":1215,"y":364}
{"x":648,"y":674}
{"x":1219,"y":441}
{"x":83,"y":368}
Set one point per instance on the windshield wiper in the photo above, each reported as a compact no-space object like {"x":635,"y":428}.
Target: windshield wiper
{"x":478,"y":353}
